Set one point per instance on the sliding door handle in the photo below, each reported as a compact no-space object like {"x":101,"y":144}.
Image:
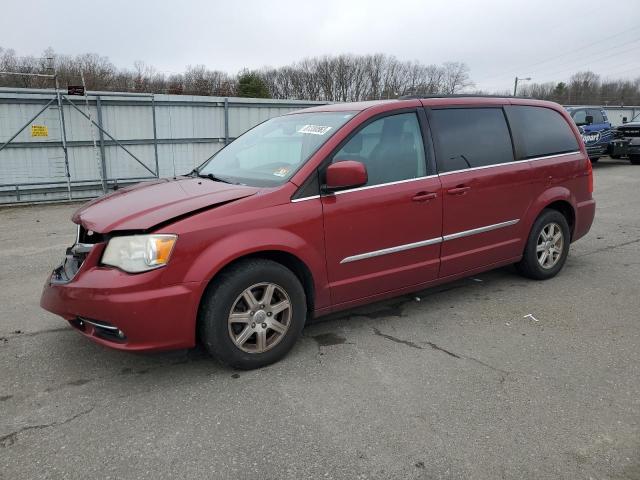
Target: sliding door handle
{"x":460,"y":190}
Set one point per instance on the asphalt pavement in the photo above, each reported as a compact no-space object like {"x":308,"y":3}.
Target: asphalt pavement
{"x":493,"y":376}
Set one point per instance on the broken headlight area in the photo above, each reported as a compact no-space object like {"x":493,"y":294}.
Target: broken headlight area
{"x":76,"y":255}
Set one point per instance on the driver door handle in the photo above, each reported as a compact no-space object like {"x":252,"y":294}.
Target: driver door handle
{"x":424,"y":196}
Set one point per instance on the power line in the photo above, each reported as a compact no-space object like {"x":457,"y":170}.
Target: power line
{"x":637,"y":67}
{"x":582,"y":47}
{"x":607,"y":54}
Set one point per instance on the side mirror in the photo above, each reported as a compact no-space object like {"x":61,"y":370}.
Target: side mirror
{"x":589,"y":119}
{"x":624,"y":120}
{"x":345,"y":174}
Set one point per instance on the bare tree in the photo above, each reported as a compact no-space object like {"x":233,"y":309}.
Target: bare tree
{"x":345,"y":77}
{"x":455,"y":77}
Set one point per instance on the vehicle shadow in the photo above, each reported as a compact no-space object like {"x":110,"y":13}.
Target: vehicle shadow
{"x":89,"y":362}
{"x":608,"y":162}
{"x":393,"y":307}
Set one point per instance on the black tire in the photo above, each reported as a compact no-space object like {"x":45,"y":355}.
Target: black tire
{"x":594,"y":159}
{"x":615,"y":157}
{"x":634,"y":159}
{"x":529,"y":266}
{"x":221,"y":296}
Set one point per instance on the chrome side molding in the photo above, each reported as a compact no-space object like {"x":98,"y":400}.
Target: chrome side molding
{"x":431,"y":241}
{"x":475,"y":231}
{"x":387,"y":251}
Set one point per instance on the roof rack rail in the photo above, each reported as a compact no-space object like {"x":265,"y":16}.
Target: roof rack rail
{"x":459,"y":95}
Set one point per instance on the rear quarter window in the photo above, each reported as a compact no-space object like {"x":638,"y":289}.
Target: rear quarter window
{"x":540,"y":131}
{"x":470,"y":138}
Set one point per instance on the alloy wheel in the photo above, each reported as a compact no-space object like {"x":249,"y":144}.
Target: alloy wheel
{"x":550,"y":245}
{"x":260,"y":317}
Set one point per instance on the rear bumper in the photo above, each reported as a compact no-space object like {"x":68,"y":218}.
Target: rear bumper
{"x":100,"y":301}
{"x":585,"y":213}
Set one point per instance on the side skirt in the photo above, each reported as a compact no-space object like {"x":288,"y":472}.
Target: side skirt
{"x":412,"y":288}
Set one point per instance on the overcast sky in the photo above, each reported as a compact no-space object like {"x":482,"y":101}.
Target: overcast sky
{"x":546,"y":40}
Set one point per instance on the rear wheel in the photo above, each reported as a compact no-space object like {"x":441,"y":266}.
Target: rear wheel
{"x":547,"y":246}
{"x":615,"y":157}
{"x":252,"y":314}
{"x":634,"y":159}
{"x":594,"y":159}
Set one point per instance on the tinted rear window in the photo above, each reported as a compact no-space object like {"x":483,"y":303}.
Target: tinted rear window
{"x":540,"y":131}
{"x":470,"y":137}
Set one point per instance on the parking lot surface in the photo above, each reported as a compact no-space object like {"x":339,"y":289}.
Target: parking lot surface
{"x":493,"y":376}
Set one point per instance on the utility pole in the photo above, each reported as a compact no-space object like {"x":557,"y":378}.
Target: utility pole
{"x":63,"y":130}
{"x":515,"y":84}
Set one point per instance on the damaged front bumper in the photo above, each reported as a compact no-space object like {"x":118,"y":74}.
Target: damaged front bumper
{"x":121,"y":310}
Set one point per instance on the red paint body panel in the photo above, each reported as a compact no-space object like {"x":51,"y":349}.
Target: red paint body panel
{"x":368,"y":220}
{"x":147,"y":204}
{"x":331,"y":234}
{"x":495,"y":195}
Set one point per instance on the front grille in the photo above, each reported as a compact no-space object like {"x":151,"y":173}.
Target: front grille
{"x":629,"y":131}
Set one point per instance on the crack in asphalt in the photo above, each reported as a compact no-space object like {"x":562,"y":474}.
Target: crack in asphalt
{"x":397,"y":340}
{"x":608,"y":247}
{"x":444,"y":350}
{"x":11,"y":438}
{"x":20,"y":333}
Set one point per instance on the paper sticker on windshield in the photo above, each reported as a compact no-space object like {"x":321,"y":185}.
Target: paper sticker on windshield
{"x":281,"y":172}
{"x":314,"y":129}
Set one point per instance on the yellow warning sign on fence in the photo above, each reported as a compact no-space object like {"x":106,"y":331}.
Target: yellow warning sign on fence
{"x":39,"y":131}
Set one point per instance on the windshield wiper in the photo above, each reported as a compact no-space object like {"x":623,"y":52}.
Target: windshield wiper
{"x":211,"y":176}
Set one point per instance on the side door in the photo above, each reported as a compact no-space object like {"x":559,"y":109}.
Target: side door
{"x":602,"y":126}
{"x":599,"y":121}
{"x":386,"y":234}
{"x":485,"y":192}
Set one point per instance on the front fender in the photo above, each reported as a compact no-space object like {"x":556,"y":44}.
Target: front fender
{"x":233,"y":247}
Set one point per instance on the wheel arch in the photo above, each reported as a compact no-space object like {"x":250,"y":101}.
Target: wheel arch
{"x":558,"y":198}
{"x":567,"y":210}
{"x":287,"y":259}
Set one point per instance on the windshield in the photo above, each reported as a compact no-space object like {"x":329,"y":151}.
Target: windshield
{"x":269,"y":154}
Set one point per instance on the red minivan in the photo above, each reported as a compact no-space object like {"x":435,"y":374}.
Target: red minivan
{"x":321,"y":210}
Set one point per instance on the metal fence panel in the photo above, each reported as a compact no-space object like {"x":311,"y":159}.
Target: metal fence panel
{"x":174,"y":132}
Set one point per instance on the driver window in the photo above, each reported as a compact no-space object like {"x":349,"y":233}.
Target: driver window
{"x":391,"y":148}
{"x":580,"y":117}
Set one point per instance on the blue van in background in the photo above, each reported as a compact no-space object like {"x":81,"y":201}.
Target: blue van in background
{"x":595,"y":129}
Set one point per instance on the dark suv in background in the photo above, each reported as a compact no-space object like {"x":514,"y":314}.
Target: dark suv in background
{"x":626,"y":141}
{"x":595,"y":129}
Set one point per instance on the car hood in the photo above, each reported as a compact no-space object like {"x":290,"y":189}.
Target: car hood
{"x":145,"y":205}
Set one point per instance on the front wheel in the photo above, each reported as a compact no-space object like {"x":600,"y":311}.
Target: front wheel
{"x":594,"y":159}
{"x":615,"y":157}
{"x":252,"y":314}
{"x":634,"y":159}
{"x":547,"y":246}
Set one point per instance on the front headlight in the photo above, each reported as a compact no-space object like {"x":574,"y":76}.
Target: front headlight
{"x":139,"y":253}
